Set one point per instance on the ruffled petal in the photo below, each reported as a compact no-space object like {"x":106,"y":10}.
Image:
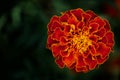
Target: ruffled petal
{"x":59,"y":62}
{"x":93,"y":15}
{"x":78,"y":13}
{"x":101,"y":32}
{"x":101,"y":60}
{"x":64,"y":18}
{"x":56,"y":48}
{"x":92,"y":63}
{"x":67,"y":29}
{"x":80,"y":25}
{"x":81,"y":69}
{"x":93,"y":38}
{"x":63,"y":40}
{"x":103,"y":50}
{"x":50,"y":41}
{"x":86,"y":53}
{"x":96,"y":45}
{"x":110,"y":39}
{"x":53,"y":19}
{"x":57,"y":34}
{"x":93,"y":27}
{"x":86,"y":17}
{"x":68,"y":61}
{"x":93,"y":50}
{"x":80,"y":62}
{"x":64,"y":53}
{"x":103,"y":40}
{"x":55,"y":25}
{"x":72,"y":20}
{"x":99,"y":21}
{"x":107,"y":25}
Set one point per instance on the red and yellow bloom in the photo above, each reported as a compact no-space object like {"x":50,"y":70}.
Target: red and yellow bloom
{"x":79,"y":40}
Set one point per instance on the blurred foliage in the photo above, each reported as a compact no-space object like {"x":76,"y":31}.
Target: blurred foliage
{"x":23,"y":35}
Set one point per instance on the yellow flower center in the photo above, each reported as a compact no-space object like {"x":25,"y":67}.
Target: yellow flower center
{"x":81,"y":41}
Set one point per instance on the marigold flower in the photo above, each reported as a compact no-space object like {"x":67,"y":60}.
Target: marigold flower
{"x":79,"y":40}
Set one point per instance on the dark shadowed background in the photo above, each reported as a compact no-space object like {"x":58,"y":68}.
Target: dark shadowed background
{"x":23,"y":35}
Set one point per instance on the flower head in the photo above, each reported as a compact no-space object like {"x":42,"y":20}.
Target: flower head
{"x":79,"y":40}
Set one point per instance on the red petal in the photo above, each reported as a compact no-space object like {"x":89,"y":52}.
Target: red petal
{"x":104,"y":40}
{"x":94,"y":27}
{"x":55,"y":25}
{"x":93,"y":15}
{"x":63,"y":41}
{"x":93,"y":38}
{"x":53,"y":19}
{"x":77,"y":13}
{"x":86,"y":53}
{"x":57,"y":34}
{"x":82,"y":69}
{"x":80,"y":25}
{"x":72,"y":66}
{"x":96,"y":45}
{"x":110,"y":39}
{"x":50,"y":41}
{"x":67,"y":29}
{"x":60,"y":62}
{"x":107,"y":25}
{"x":68,"y":13}
{"x":90,"y":62}
{"x":72,"y":20}
{"x":64,"y":17}
{"x":86,"y":17}
{"x":69,"y":60}
{"x":93,"y":50}
{"x":101,"y":32}
{"x":110,"y":44}
{"x":85,"y":28}
{"x":101,"y":60}
{"x":80,"y":62}
{"x":64,"y":53}
{"x":56,"y":48}
{"x":103,"y":50}
{"x":100,"y":22}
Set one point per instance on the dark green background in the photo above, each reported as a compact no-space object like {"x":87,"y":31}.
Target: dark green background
{"x":23,"y":35}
